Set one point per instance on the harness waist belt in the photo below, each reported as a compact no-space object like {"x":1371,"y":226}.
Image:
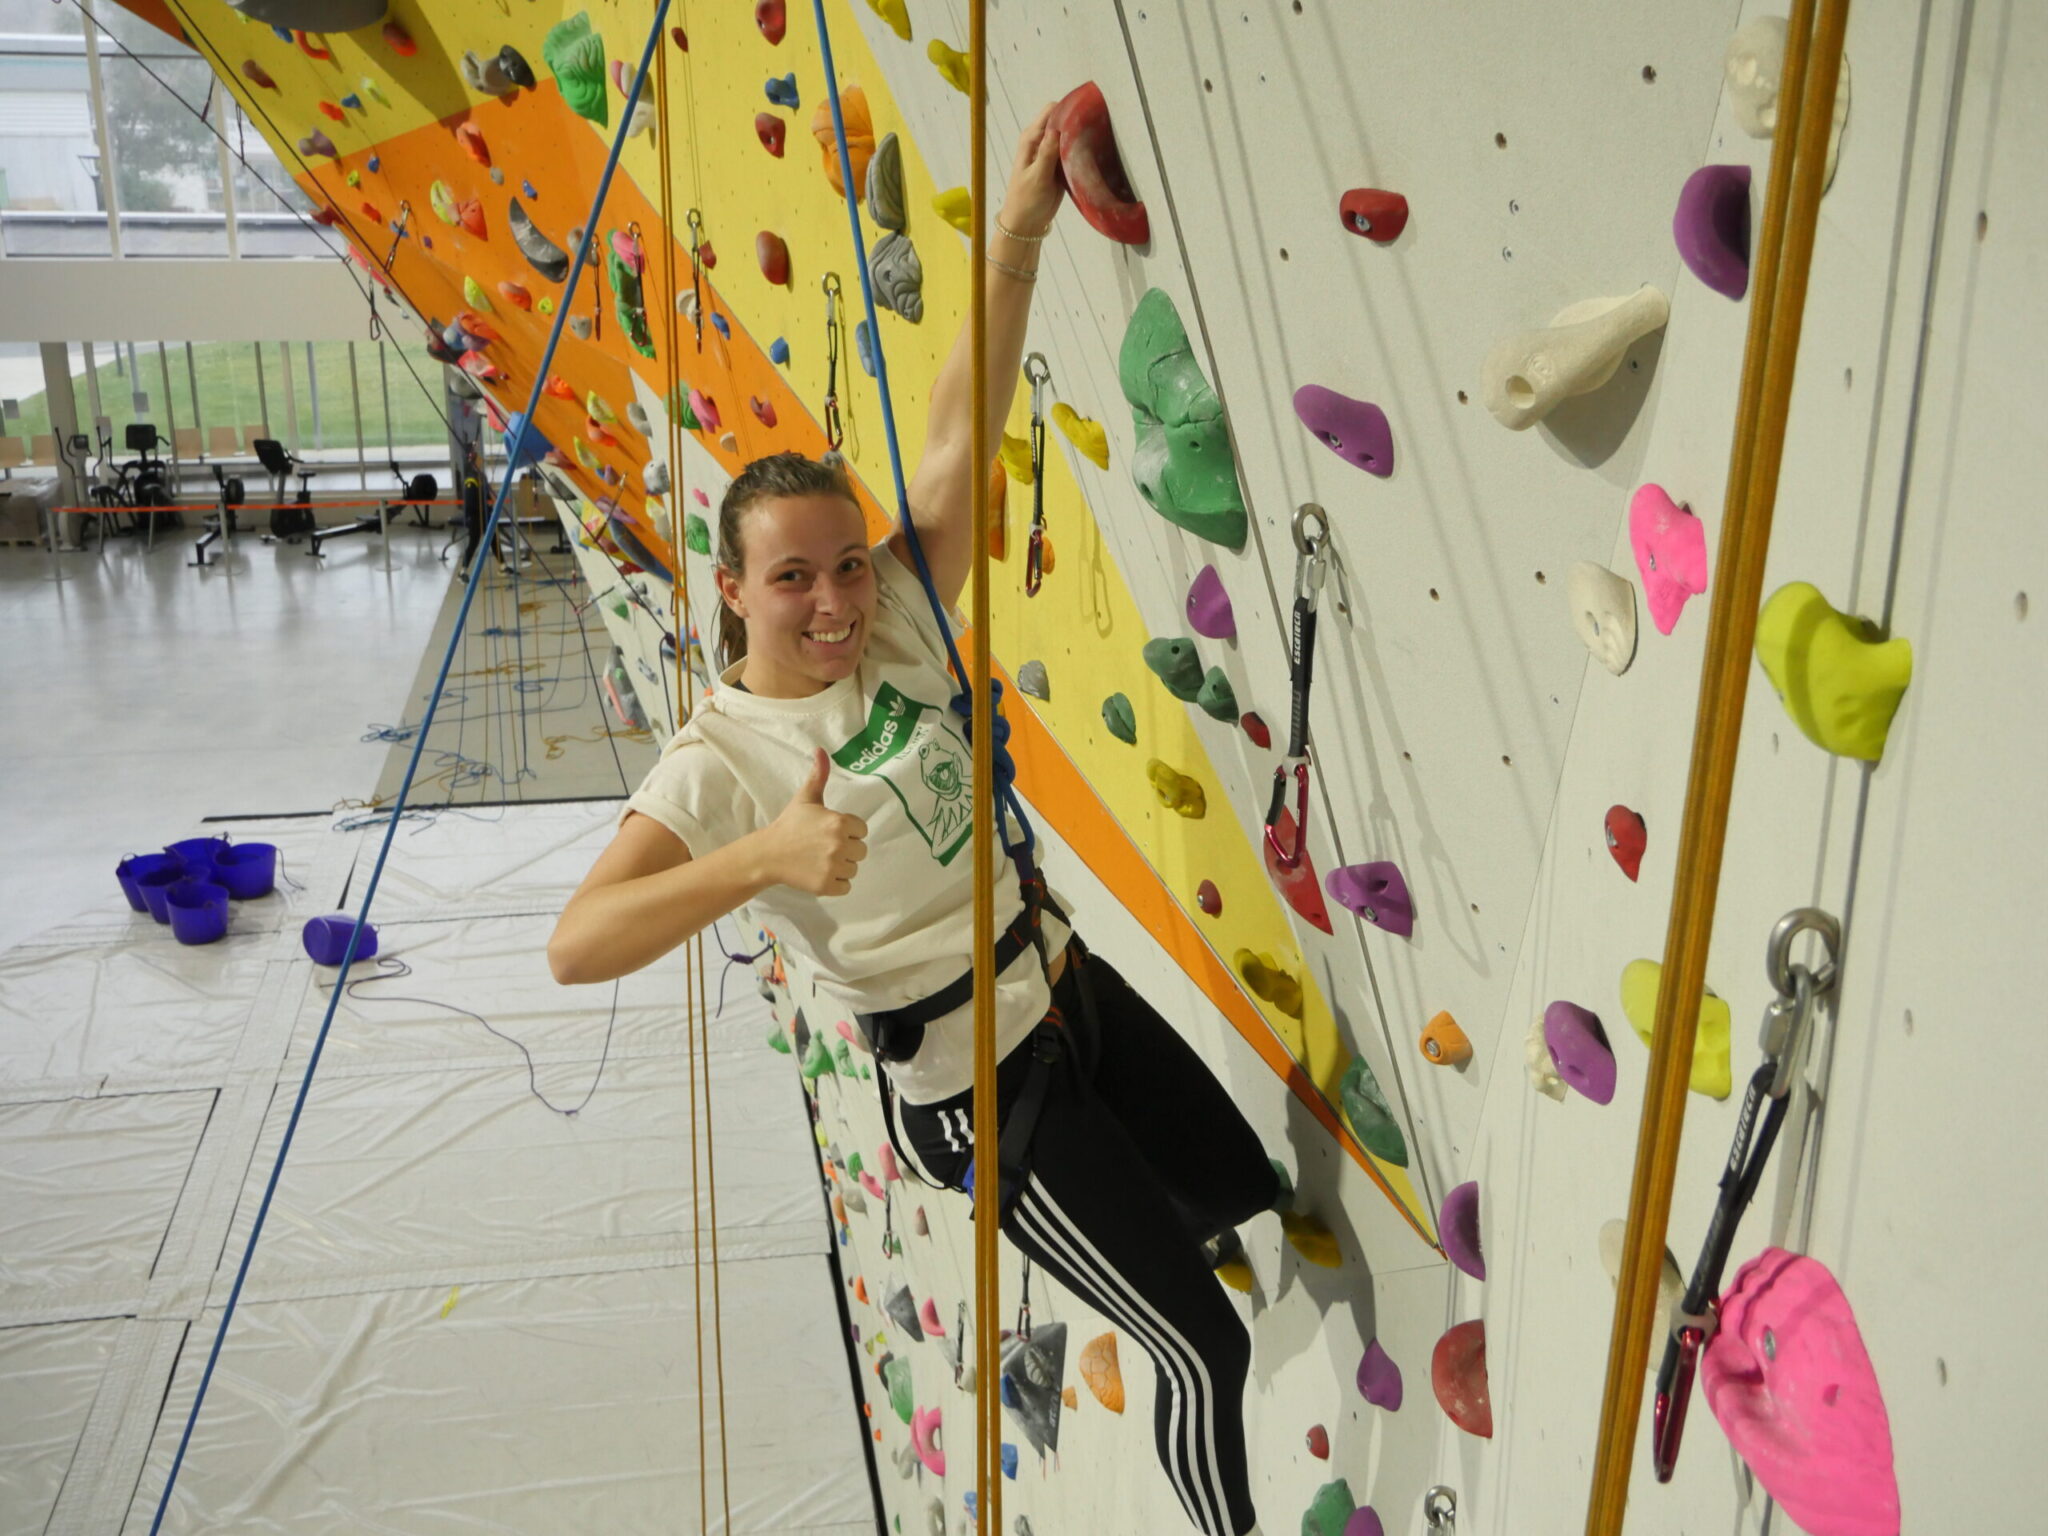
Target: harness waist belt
{"x":896,"y":1033}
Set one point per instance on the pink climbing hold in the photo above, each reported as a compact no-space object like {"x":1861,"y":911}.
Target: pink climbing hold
{"x":698,"y":492}
{"x":1376,"y":892}
{"x":1711,"y":227}
{"x":1297,"y":885}
{"x":1457,"y":1372}
{"x":629,"y":252}
{"x":763,"y":411}
{"x":771,"y":131}
{"x":885,"y":1158}
{"x":1379,"y":216}
{"x":1670,"y":546}
{"x":1355,"y":430}
{"x":845,"y":1029}
{"x":1319,"y":1442}
{"x":1209,"y":612}
{"x":873,"y":1186}
{"x":1379,"y":1379}
{"x":704,"y":410}
{"x":1579,"y":1049}
{"x":1457,"y":1224}
{"x":1790,"y":1381}
{"x":928,"y":1319}
{"x":1364,"y":1522}
{"x":925,"y":1424}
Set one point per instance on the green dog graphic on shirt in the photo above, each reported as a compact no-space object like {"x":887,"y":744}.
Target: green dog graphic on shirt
{"x":925,"y":763}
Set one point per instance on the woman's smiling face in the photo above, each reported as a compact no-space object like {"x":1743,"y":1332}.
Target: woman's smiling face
{"x":807,"y":593}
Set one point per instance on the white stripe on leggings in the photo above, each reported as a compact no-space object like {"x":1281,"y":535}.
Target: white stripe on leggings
{"x":1198,"y":1390}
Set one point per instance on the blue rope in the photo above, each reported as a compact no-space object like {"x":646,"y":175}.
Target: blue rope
{"x":963,"y":702}
{"x":397,"y":810}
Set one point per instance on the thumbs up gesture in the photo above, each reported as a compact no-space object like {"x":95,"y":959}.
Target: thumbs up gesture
{"x":812,"y":847}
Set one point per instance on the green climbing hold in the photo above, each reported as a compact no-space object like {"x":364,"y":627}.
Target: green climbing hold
{"x":1122,"y":723}
{"x":1175,"y":664}
{"x":777,"y":1040}
{"x":1217,"y":698}
{"x":853,"y":1165}
{"x":1371,"y":1117}
{"x":1285,"y":1199}
{"x":574,"y":52}
{"x":697,"y":534}
{"x":631,"y":301}
{"x":679,"y":407}
{"x":817,"y":1060}
{"x":1329,"y":1510}
{"x":896,"y":1377}
{"x":623,"y":609}
{"x":844,"y":1056}
{"x":1183,"y":465}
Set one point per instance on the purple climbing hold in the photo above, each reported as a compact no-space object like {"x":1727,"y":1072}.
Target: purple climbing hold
{"x":1712,"y":227}
{"x":1209,"y":607}
{"x":1355,"y":430}
{"x":1364,"y":1522}
{"x":1379,"y":1379}
{"x":1457,"y":1225}
{"x":1376,"y":892}
{"x":317,"y":143}
{"x":1579,"y":1046}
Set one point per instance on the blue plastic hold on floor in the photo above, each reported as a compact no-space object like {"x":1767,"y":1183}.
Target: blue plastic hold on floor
{"x":864,"y":344}
{"x":778,"y":352}
{"x":199,"y":851}
{"x":783,"y":92}
{"x":156,"y":886}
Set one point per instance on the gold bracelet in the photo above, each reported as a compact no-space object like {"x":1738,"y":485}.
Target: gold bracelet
{"x":1019,"y":273}
{"x":1005,"y":230}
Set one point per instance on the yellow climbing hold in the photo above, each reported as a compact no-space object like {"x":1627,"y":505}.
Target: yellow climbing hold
{"x":587,"y":457}
{"x":473,"y":291}
{"x":595,"y":405}
{"x":1836,"y":675}
{"x":1016,"y":456}
{"x":544,"y":306}
{"x":1640,"y":980}
{"x":1236,"y":1274}
{"x":1176,"y":791}
{"x":1264,"y":975}
{"x":1311,"y":1239}
{"x":894,"y":13}
{"x":442,"y":201}
{"x":374,"y":91}
{"x":354,"y":178}
{"x":1086,"y":435}
{"x":449,"y":1305}
{"x":956,"y":206}
{"x":950,"y":62}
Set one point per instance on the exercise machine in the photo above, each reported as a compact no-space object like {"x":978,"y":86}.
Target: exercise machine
{"x":223,"y":523}
{"x":418,"y":491}
{"x":293,"y":520}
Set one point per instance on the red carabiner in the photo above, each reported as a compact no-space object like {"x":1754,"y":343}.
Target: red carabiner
{"x":1034,"y":561}
{"x":1668,"y":1411}
{"x":1290,"y":858}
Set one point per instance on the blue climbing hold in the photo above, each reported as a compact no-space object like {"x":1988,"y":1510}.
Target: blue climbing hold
{"x":864,"y":344}
{"x":720,"y":325}
{"x":778,"y":352}
{"x":284,"y":34}
{"x":376,"y":164}
{"x":527,"y":188}
{"x":1010,"y":1461}
{"x":353,"y":102}
{"x":783,"y":92}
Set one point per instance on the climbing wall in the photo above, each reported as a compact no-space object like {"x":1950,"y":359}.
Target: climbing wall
{"x":1526,"y":794}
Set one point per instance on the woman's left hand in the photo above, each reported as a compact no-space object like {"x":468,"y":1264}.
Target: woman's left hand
{"x":1035,"y":190}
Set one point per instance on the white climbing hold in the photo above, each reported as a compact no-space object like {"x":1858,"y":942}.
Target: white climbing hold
{"x":1529,"y":374}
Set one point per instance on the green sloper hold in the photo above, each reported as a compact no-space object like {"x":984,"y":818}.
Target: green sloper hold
{"x":678,"y":406}
{"x":1118,"y":716}
{"x":1372,"y":1119}
{"x":1217,"y":698}
{"x":853,"y":1165}
{"x":1183,"y":464}
{"x":631,"y":302}
{"x":1328,"y":1511}
{"x":778,"y":1040}
{"x":817,"y":1059}
{"x":1175,"y":664}
{"x":697,"y":534}
{"x":574,"y":53}
{"x":896,"y":1377}
{"x":844,"y":1056}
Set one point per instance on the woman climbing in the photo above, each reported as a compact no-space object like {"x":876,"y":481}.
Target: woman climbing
{"x":1121,"y":1155}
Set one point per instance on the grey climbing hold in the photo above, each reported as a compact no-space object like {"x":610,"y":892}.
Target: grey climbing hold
{"x":1031,"y":679}
{"x":515,"y":67}
{"x":864,"y":344}
{"x":497,"y":175}
{"x":898,"y":276}
{"x":541,"y":253}
{"x":636,"y":414}
{"x":488,"y":77}
{"x":686,"y":306}
{"x":579,"y":327}
{"x":656,"y":477}
{"x":1118,"y":716}
{"x":902,"y":1310}
{"x":1217,"y":698}
{"x":886,"y":203}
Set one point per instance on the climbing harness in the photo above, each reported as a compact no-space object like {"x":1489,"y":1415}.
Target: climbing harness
{"x":1310,"y":564}
{"x":834,"y":434}
{"x":1040,"y":375}
{"x":1787,"y":1024}
{"x":696,"y":222}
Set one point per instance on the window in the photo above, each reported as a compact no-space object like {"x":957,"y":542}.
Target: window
{"x":270,"y":207}
{"x":51,"y":200}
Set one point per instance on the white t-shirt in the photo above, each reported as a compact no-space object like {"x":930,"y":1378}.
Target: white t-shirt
{"x":902,"y":764}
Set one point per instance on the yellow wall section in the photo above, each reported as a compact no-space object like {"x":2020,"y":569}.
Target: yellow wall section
{"x":1084,"y":624}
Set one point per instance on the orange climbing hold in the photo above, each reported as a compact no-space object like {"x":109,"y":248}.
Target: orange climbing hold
{"x":860,"y":1288}
{"x":558,"y":387}
{"x":399,"y":41}
{"x":860,"y":137}
{"x":998,"y":498}
{"x":1099,"y":1368}
{"x":475,"y":325}
{"x":469,"y":213}
{"x":331,"y":110}
{"x":311,"y":49}
{"x":471,"y":138}
{"x":1444,"y":1043}
{"x":516,"y":295}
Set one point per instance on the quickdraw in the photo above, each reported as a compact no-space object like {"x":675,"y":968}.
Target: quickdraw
{"x":1310,"y":565}
{"x":399,"y":226}
{"x":1040,"y":376}
{"x":834,"y":434}
{"x":1787,"y":1024}
{"x":696,"y":223}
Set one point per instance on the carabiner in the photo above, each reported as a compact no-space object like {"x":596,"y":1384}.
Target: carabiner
{"x":1674,"y":1395}
{"x":1034,"y":559}
{"x":696,"y":223}
{"x":834,"y":432}
{"x":1290,"y":858}
{"x":1039,"y":376}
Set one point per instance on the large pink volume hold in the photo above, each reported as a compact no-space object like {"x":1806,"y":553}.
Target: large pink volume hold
{"x":1792,"y":1385}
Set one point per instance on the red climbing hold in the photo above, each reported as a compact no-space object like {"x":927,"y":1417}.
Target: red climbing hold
{"x":471,"y":138}
{"x":1379,"y":216}
{"x":773,"y":253}
{"x":329,"y":109}
{"x":1208,"y":898}
{"x":311,"y":50}
{"x":257,"y":75}
{"x":1319,"y":1442}
{"x":1299,"y":885}
{"x":1457,"y":1371}
{"x":763,"y":411}
{"x":707,"y":255}
{"x":594,"y":430}
{"x":1255,"y":728}
{"x":771,"y":18}
{"x":469,"y":213}
{"x":516,"y":295}
{"x":680,"y":38}
{"x":1627,"y":837}
{"x":1092,"y":170}
{"x":326,"y":216}
{"x":373,"y":213}
{"x":558,"y":387}
{"x":771,"y":130}
{"x":399,"y":41}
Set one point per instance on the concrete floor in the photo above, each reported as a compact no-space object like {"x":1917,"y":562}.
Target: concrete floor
{"x":141,"y":695}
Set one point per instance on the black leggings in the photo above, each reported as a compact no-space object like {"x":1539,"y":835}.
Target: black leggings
{"x":1130,"y":1173}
